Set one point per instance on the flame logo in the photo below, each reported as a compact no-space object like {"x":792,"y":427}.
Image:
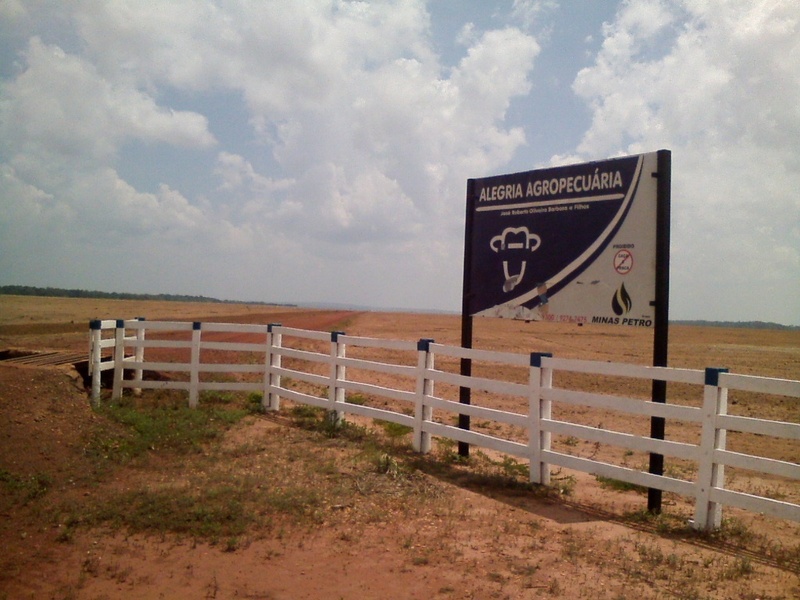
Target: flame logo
{"x":621,"y":303}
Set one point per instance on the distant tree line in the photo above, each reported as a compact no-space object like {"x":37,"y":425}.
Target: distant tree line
{"x":28,"y":290}
{"x":742,"y":324}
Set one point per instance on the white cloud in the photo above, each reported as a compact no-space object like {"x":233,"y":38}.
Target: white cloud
{"x":528,"y":12}
{"x":11,"y":9}
{"x":59,"y":108}
{"x":495,"y":69}
{"x":723,"y":95}
{"x":367,"y":139}
{"x":352,"y":174}
{"x":65,"y":207}
{"x":381,"y":154}
{"x":237,"y":173}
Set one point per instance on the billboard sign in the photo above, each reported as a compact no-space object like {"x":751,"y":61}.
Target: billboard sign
{"x":569,"y":244}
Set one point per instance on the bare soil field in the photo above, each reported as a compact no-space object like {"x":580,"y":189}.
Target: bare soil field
{"x":277,"y":507}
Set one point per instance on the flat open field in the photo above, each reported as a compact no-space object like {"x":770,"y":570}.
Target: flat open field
{"x":281,"y":509}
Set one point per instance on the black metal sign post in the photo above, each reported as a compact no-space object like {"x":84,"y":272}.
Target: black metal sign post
{"x":661,"y":315}
{"x":464,"y":393}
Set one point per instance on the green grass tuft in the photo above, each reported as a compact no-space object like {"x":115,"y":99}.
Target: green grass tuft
{"x":170,"y":427}
{"x":609,"y":483}
{"x":25,"y":488}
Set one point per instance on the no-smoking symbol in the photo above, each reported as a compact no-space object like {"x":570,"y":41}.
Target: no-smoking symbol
{"x":623,"y":262}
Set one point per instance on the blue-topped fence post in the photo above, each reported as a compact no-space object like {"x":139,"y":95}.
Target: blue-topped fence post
{"x":336,"y":394}
{"x":423,"y":412}
{"x":539,"y":378}
{"x":119,"y":359}
{"x":272,"y":380}
{"x":95,"y":356}
{"x":194,"y":368}
{"x":710,"y":475}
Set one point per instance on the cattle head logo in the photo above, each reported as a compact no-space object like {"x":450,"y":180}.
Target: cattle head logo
{"x":515,"y":245}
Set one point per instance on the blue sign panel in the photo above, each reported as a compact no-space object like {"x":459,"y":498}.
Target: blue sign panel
{"x":574,"y":243}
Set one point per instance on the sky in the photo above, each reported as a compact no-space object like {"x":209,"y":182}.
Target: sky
{"x":318,"y":151}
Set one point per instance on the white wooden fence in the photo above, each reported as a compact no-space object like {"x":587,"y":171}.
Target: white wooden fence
{"x":327,"y":369}
{"x":97,"y":344}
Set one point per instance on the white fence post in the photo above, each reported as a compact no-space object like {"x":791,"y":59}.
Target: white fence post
{"x":119,"y":359}
{"x":708,"y":514}
{"x":194,"y":373}
{"x":95,"y":356}
{"x":335,"y":393}
{"x":272,"y":381}
{"x":422,"y":412}
{"x":139,"y":356}
{"x":547,"y":383}
{"x":538,"y":409}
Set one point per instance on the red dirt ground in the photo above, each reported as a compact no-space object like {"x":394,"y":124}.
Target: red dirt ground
{"x":476,"y":543}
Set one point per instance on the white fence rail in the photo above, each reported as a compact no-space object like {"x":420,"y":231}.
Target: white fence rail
{"x":422,"y":410}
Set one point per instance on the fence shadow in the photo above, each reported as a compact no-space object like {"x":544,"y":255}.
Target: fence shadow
{"x":548,"y":503}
